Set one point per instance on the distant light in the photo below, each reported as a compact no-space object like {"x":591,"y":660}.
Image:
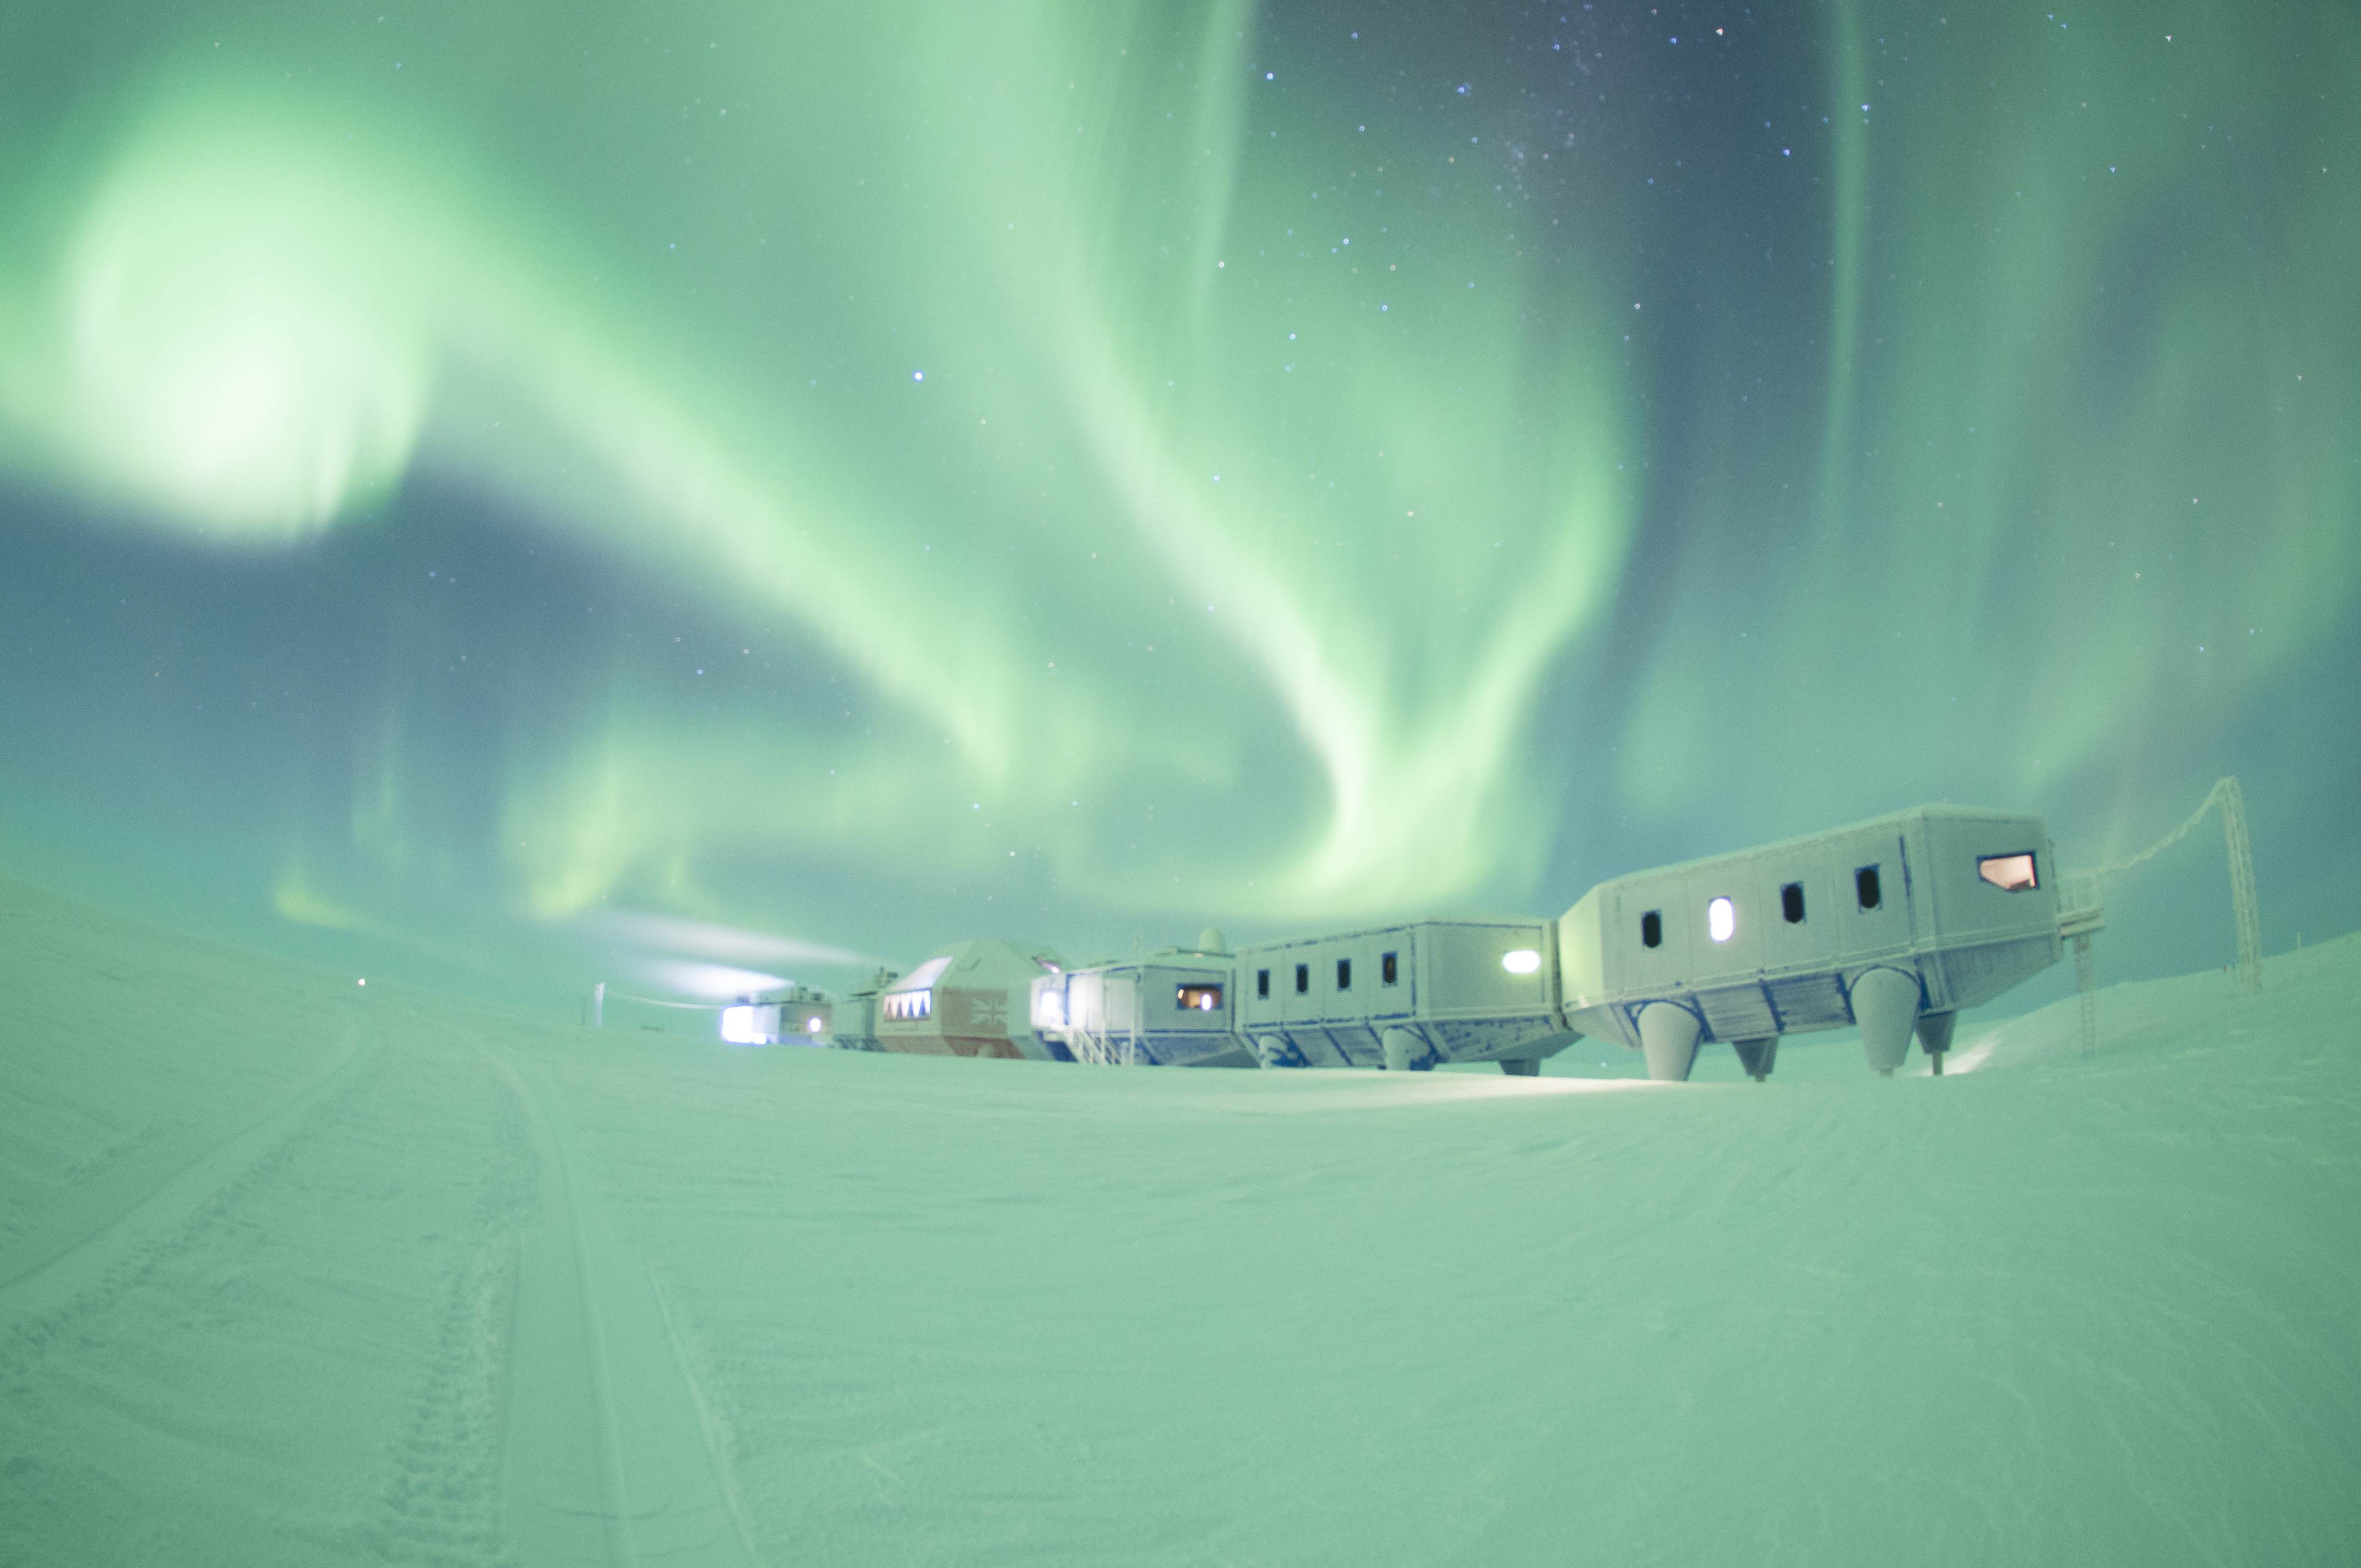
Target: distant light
{"x":738,"y":1027}
{"x":1524,"y":960}
{"x":812,"y":1025}
{"x":1720,"y":919}
{"x":918,"y":374}
{"x":360,"y":982}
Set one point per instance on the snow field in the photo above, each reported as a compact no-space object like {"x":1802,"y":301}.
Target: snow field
{"x":294,"y":1272}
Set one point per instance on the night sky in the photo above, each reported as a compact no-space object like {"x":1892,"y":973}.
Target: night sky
{"x":509,"y":495}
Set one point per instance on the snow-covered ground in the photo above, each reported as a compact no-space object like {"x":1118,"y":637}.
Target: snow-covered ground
{"x":295,"y":1271}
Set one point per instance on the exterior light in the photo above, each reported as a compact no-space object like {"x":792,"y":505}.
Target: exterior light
{"x":1524,"y":960}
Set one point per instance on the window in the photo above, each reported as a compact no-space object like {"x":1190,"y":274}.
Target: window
{"x":1388,"y":971}
{"x":1344,"y":974}
{"x":2010,"y":873}
{"x":1199,"y":998}
{"x":1652,"y":929}
{"x":1262,"y":983}
{"x":1302,"y":978}
{"x":1720,"y":919}
{"x":1791,"y":903}
{"x":909,"y":1007}
{"x":1523,"y":961}
{"x":1865,"y":888}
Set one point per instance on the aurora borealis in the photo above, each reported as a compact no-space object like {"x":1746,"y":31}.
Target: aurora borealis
{"x":488,"y":489}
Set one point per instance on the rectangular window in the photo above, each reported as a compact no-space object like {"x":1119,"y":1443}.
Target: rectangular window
{"x":1199,"y":998}
{"x":1262,"y":983}
{"x":2010,"y":873}
{"x":1302,"y":978}
{"x":1388,"y":971}
{"x":1344,"y":974}
{"x":1652,"y":929}
{"x":1791,"y":903}
{"x":1864,"y":886}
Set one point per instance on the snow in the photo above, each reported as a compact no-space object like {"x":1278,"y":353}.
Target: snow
{"x":296,"y":1271}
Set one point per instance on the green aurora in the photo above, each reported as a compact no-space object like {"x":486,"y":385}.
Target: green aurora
{"x":475,"y":476}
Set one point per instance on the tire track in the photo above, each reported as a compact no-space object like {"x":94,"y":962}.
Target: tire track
{"x":441,"y":1503}
{"x":613,"y":1452}
{"x":144,"y":1208}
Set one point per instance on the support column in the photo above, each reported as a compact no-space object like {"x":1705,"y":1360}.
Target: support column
{"x":1402,"y":1050}
{"x":1529,"y":1067}
{"x":1885,"y":1003}
{"x":1935,"y":1036}
{"x":1668,"y":1037}
{"x":1757,"y":1055}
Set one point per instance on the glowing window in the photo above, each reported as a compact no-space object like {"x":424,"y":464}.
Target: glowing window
{"x":1652,"y":929}
{"x":1524,"y":960}
{"x":1199,"y":998}
{"x":1302,"y":978}
{"x":1262,"y":982}
{"x":1720,"y":919}
{"x":1049,"y":1008}
{"x":1388,"y":970}
{"x":2010,"y":873}
{"x":1344,"y":974}
{"x":1865,"y":888}
{"x":1791,"y":903}
{"x":811,"y":1025}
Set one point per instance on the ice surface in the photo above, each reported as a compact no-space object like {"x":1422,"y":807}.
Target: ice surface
{"x":293,"y":1271}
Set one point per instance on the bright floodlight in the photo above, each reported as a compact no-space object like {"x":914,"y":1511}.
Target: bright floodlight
{"x":1524,"y":960}
{"x":738,"y":1027}
{"x":812,"y":1024}
{"x":1720,"y":919}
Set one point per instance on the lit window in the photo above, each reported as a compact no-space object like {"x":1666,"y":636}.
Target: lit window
{"x":1865,"y":888}
{"x":1302,"y":978}
{"x":1791,"y":903}
{"x":1344,"y":974}
{"x":811,"y":1025}
{"x":1652,"y":929}
{"x":1262,"y":982}
{"x":1048,"y":1009}
{"x":1524,"y":960}
{"x":1199,"y":998}
{"x":1720,"y":919}
{"x":2010,"y":873}
{"x":1388,"y":971}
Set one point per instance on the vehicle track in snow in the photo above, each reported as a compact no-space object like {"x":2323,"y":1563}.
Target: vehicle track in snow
{"x":440,"y":1503}
{"x":614,"y":1454}
{"x":140,"y":1210}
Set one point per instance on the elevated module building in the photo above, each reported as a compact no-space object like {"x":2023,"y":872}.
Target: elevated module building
{"x":1888,"y":924}
{"x":1893,"y":924}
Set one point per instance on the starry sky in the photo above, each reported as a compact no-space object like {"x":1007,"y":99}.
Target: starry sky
{"x":502,"y":496}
